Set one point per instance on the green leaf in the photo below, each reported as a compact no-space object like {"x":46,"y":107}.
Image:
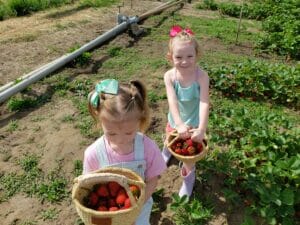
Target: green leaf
{"x":271,"y":220}
{"x":196,"y":215}
{"x":287,"y":197}
{"x":248,"y":221}
{"x":295,"y":163}
{"x":285,"y":211}
{"x":267,"y":212}
{"x":277,"y":202}
{"x":287,"y":221}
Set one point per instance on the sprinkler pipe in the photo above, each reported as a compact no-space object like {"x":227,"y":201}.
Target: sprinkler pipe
{"x":63,"y":60}
{"x":124,"y":23}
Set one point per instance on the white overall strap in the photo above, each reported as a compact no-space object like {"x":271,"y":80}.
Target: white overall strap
{"x":101,"y":152}
{"x":139,"y":146}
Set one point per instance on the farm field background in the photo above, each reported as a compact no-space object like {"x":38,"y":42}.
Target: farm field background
{"x":251,"y":175}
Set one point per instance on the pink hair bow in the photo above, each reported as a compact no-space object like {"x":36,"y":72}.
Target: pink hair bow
{"x":177,"y":29}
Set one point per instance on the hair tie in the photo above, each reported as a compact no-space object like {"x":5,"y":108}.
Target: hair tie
{"x":177,"y":29}
{"x":108,"y":86}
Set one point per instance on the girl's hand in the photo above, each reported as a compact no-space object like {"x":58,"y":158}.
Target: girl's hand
{"x":197,"y":135}
{"x":183,"y":131}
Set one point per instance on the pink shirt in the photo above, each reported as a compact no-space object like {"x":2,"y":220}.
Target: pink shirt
{"x":155,"y":164}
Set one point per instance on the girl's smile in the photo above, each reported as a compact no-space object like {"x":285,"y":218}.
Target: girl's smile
{"x":184,"y":55}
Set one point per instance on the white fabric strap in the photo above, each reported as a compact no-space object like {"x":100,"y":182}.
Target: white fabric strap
{"x":139,"y":146}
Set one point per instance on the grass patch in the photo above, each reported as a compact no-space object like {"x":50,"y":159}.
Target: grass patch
{"x":49,"y":214}
{"x":13,"y":125}
{"x":78,"y":165}
{"x":20,"y":103}
{"x":223,"y":28}
{"x":97,"y":3}
{"x":33,"y":182}
{"x":215,"y":58}
{"x":26,"y":38}
{"x":12,"y":8}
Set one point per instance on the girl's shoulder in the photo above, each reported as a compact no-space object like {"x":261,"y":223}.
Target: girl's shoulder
{"x":202,"y":75}
{"x":150,"y":145}
{"x":148,"y":141}
{"x":170,"y":76}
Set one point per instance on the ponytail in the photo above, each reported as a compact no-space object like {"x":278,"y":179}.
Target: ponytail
{"x":139,"y":98}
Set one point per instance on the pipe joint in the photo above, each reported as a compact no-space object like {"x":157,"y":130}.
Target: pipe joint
{"x":122,"y":18}
{"x":129,"y":20}
{"x":133,"y":19}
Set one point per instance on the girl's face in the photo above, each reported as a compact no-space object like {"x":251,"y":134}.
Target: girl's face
{"x":184,"y":54}
{"x":120,"y":134}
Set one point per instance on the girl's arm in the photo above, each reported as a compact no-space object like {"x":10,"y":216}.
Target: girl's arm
{"x":181,"y":127}
{"x":150,"y":187}
{"x":198,"y":133}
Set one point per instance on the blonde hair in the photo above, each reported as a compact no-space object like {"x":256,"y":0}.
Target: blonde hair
{"x":129,"y":103}
{"x":184,"y":36}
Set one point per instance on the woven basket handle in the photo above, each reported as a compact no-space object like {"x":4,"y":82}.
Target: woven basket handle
{"x":141,"y":185}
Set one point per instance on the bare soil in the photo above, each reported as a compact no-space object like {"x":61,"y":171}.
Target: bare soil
{"x":32,"y":41}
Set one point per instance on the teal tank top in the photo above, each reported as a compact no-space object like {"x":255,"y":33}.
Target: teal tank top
{"x":188,"y":104}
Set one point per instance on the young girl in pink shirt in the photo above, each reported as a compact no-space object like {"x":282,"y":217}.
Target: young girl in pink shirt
{"x":121,"y":110}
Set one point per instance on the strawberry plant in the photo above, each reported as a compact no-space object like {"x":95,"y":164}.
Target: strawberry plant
{"x":189,"y":213}
{"x":262,"y":163}
{"x":259,"y":81}
{"x":280,"y":20}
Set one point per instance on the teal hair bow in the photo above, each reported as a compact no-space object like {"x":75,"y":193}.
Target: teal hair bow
{"x":108,"y":86}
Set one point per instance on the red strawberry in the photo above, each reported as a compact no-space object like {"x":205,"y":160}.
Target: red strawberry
{"x":191,"y":150}
{"x":112,"y":202}
{"x":178,"y":144}
{"x":113,"y":188}
{"x":93,"y":199}
{"x":102,"y":191}
{"x":184,"y":151}
{"x":120,"y":199}
{"x":114,"y":208}
{"x":134,"y":190}
{"x":178,"y":151}
{"x":102,"y":208}
{"x":189,"y":142}
{"x":127,"y":203}
{"x":102,"y":202}
{"x":122,"y":191}
{"x":184,"y":145}
{"x":200,"y":147}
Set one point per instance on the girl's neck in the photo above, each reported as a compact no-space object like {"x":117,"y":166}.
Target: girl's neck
{"x":187,"y":76}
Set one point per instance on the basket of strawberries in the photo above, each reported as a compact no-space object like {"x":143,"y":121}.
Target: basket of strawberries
{"x":186,"y":150}
{"x":109,"y":196}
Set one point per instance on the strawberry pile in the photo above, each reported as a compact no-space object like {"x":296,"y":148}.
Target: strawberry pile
{"x":186,"y":147}
{"x":110,"y":197}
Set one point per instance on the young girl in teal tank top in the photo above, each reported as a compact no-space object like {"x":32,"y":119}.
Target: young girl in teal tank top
{"x":187,"y":87}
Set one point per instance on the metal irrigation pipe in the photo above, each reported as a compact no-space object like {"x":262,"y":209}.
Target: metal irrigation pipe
{"x":63,"y":60}
{"x":159,"y":9}
{"x":12,"y":88}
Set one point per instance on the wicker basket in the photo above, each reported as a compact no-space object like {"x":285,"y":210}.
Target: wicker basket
{"x":184,"y":158}
{"x":84,"y":184}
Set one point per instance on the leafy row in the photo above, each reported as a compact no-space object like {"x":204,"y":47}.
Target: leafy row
{"x":262,"y":163}
{"x":259,"y":80}
{"x":281,"y":24}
